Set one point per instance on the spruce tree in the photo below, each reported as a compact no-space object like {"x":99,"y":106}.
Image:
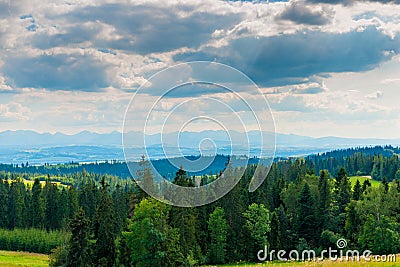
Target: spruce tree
{"x":105,"y":230}
{"x":385,"y":184}
{"x":275,"y":233}
{"x":218,"y":228}
{"x":365,"y":185}
{"x":37,"y":205}
{"x":357,"y":190}
{"x":353,"y":222}
{"x":145,"y":178}
{"x":184,"y":219}
{"x":51,"y":198}
{"x":342,"y":196}
{"x":234,"y":204}
{"x":27,"y":207}
{"x":16,"y":205}
{"x":277,"y":188}
{"x":120,"y":207}
{"x":306,"y":221}
{"x":73,"y":201}
{"x":4,"y":188}
{"x":343,"y":191}
{"x":79,"y":253}
{"x":63,"y":207}
{"x":324,"y":200}
{"x":340,"y":176}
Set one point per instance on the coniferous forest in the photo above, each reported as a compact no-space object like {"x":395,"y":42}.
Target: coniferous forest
{"x":97,"y":219}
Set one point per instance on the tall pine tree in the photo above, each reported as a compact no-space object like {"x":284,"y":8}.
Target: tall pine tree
{"x":79,"y":253}
{"x":218,"y":228}
{"x":37,"y":205}
{"x":105,"y":230}
{"x":306,"y":221}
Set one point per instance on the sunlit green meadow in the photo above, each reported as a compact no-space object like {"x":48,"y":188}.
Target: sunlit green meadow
{"x":19,"y":259}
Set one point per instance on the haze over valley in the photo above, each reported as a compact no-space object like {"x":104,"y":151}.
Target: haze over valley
{"x":38,"y":148}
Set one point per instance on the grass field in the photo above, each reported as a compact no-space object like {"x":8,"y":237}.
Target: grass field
{"x":354,"y":179}
{"x":29,"y":183}
{"x":19,"y":259}
{"x":317,"y":264}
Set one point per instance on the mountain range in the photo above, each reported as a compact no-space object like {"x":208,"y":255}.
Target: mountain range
{"x":20,"y":146}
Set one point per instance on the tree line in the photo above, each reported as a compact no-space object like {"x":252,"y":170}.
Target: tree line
{"x":295,"y":208}
{"x":49,"y":205}
{"x":113,"y":168}
{"x":379,"y":162}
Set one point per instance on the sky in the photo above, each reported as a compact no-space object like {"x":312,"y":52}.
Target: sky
{"x":327,"y":68}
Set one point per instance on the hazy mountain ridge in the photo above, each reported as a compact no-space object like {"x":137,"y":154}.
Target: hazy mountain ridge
{"x":21,"y":146}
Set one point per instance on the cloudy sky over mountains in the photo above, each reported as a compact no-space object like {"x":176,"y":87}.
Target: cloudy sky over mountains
{"x":326,"y":69}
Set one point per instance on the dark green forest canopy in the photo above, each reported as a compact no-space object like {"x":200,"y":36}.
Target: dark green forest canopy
{"x":304,"y":203}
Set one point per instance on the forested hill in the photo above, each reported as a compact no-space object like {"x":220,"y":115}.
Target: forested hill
{"x":117,"y":168}
{"x":376,"y":161}
{"x":295,"y":208}
{"x":386,"y":151}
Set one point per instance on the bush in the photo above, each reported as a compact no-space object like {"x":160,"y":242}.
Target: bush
{"x":59,"y":256}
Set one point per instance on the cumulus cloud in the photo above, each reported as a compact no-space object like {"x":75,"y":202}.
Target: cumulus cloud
{"x":141,"y":29}
{"x":289,"y":102}
{"x":310,"y":88}
{"x":330,"y":106}
{"x":55,"y":72}
{"x":4,"y":87}
{"x":13,"y":111}
{"x":333,"y":2}
{"x":349,"y":2}
{"x":71,"y":111}
{"x":79,"y":56}
{"x":391,"y":81}
{"x":281,"y":60}
{"x":300,"y":13}
{"x":108,"y":42}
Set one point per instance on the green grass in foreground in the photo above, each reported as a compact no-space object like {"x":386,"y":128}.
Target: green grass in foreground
{"x":354,"y":179}
{"x":317,"y":264}
{"x":19,"y":259}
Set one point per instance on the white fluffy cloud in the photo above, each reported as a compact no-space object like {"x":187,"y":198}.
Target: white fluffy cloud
{"x":13,"y":112}
{"x":74,"y":66}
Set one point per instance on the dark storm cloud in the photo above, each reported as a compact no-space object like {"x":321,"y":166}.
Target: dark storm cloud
{"x":59,"y":72}
{"x":302,"y":14}
{"x":142,"y":29}
{"x":290,"y":59}
{"x":74,"y":35}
